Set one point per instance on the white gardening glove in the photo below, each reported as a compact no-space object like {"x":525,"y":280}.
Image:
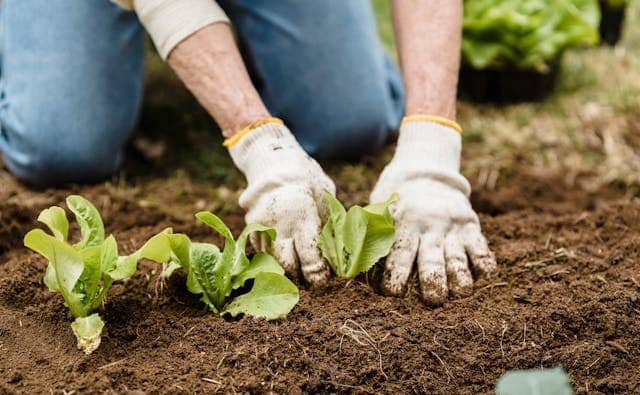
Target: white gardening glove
{"x":285,"y":188}
{"x":434,"y":219}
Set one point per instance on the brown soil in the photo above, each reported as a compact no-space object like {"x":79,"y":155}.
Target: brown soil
{"x":566,"y":293}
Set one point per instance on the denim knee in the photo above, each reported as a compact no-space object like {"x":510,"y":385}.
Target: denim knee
{"x":353,"y":130}
{"x":50,"y":153}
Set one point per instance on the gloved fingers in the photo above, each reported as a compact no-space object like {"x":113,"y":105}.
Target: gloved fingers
{"x":314,"y":269}
{"x":459,"y":278}
{"x":432,"y":269}
{"x":476,"y":245}
{"x":283,"y":250}
{"x":400,"y":261}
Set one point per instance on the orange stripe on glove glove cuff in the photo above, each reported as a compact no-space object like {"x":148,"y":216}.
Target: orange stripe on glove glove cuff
{"x":247,"y":129}
{"x":433,"y":118}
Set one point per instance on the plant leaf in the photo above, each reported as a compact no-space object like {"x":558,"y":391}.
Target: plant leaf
{"x":88,"y":331}
{"x":240,"y":261}
{"x":50,"y":278}
{"x":261,"y":263}
{"x":272,"y":296}
{"x":87,"y":285}
{"x":331,"y":237}
{"x":157,"y":249}
{"x":206,"y":277}
{"x":67,"y":265}
{"x":367,"y":238}
{"x":534,"y":382}
{"x":180,"y":246}
{"x":88,"y":217}
{"x":216,"y":224}
{"x":56,"y":220}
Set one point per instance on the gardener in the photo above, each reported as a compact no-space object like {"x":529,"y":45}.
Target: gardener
{"x":72,"y":76}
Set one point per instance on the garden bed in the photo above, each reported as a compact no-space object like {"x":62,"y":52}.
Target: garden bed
{"x":567,"y":292}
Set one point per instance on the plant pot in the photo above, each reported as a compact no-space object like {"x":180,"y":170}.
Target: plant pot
{"x":501,"y":86}
{"x":611,"y":23}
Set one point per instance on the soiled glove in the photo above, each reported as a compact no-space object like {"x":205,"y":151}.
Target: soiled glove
{"x":285,"y":187}
{"x":434,"y":219}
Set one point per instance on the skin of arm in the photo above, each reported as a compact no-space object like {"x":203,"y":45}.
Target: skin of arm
{"x":209,"y":63}
{"x":428,"y":36}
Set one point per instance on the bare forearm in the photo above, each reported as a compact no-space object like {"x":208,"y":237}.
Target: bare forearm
{"x":210,"y":65}
{"x":428,"y":35}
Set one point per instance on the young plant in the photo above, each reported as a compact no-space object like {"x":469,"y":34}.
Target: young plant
{"x":215,"y":274}
{"x":83,"y":272}
{"x":353,"y":241}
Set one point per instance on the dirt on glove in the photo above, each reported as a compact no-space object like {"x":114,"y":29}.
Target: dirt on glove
{"x":566,"y":293}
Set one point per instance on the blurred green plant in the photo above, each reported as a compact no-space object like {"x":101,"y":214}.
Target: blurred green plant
{"x":526,"y":34}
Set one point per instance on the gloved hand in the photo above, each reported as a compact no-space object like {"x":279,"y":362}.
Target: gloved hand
{"x":434,"y":219}
{"x":285,"y":187}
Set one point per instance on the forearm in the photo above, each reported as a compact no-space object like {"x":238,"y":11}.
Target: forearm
{"x":210,"y":65}
{"x":428,"y":36}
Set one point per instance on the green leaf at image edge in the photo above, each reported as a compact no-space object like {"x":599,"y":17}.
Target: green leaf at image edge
{"x":534,"y":382}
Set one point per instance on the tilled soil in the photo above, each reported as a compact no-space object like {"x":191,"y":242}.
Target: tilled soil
{"x":566,"y":293}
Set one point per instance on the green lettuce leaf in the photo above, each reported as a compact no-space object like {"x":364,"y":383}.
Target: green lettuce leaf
{"x":353,"y":241}
{"x":261,"y":263}
{"x":271,"y":297}
{"x":88,"y":217}
{"x":66,"y":266}
{"x":56,"y":220}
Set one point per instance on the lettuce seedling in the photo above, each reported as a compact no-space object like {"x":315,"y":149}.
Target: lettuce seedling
{"x":353,"y":241}
{"x":215,"y":274}
{"x":83,"y":272}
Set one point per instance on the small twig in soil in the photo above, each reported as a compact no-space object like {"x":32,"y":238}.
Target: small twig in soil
{"x":189,"y":331}
{"x":362,"y":337}
{"x":446,"y":369}
{"x":353,"y":387}
{"x":502,"y":284}
{"x":112,"y":363}
{"x":592,"y":363}
{"x":439,"y":344}
{"x":617,"y":346}
{"x":212,"y":381}
{"x":547,"y":242}
{"x":397,"y":313}
{"x":484,"y":338}
{"x":560,"y":253}
{"x":561,"y":271}
{"x":504,"y":330}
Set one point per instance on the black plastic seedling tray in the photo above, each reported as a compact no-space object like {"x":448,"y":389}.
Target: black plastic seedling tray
{"x":501,"y":86}
{"x":611,"y":23}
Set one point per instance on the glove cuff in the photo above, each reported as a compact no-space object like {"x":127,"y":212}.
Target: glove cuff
{"x":428,"y":144}
{"x":429,"y":149}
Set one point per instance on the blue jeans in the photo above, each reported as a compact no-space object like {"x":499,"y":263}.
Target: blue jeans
{"x":72,"y":78}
